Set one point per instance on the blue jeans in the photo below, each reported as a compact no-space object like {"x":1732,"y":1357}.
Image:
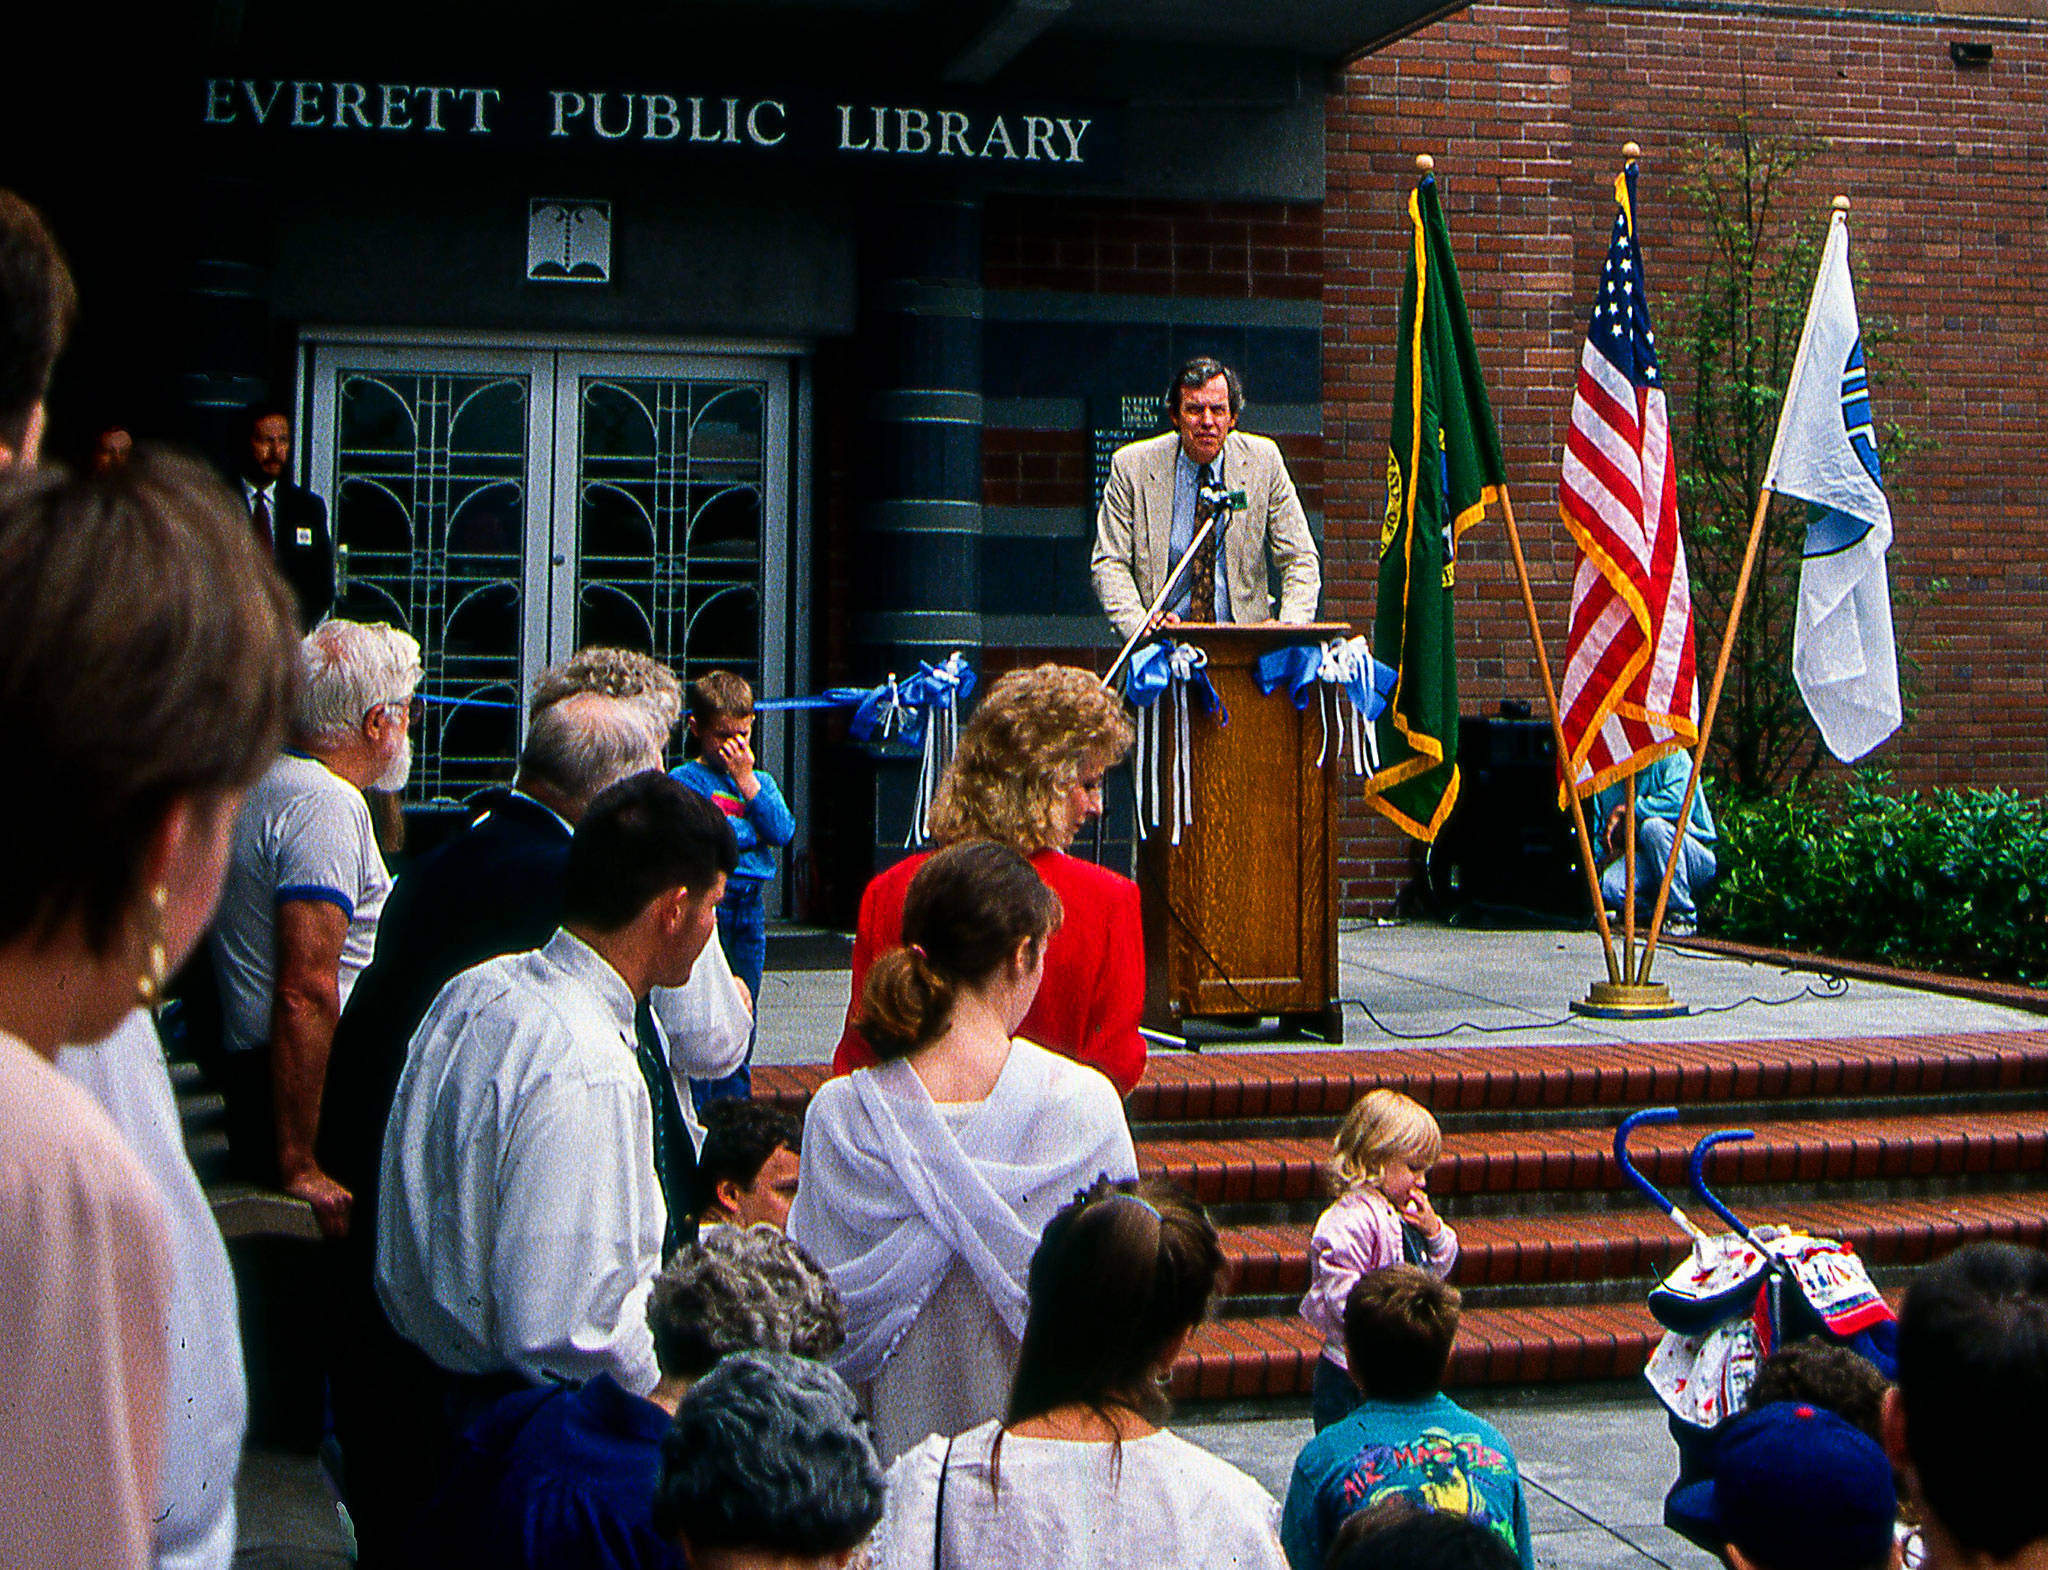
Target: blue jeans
{"x":1695,"y":874}
{"x":743,"y":934}
{"x":1332,"y":1396}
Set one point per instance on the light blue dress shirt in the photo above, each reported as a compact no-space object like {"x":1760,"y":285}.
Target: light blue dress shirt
{"x":1186,"y":477}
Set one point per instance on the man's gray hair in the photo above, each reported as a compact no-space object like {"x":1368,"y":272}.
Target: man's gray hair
{"x":769,"y":1454}
{"x":348,"y":668}
{"x":741,"y":1289}
{"x":615,"y":673}
{"x":586,"y":743}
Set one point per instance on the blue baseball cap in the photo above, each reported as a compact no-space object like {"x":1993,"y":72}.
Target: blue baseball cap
{"x":1797,"y":1488}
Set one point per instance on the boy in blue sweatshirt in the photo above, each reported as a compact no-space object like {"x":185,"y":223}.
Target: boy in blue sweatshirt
{"x":722,"y":726}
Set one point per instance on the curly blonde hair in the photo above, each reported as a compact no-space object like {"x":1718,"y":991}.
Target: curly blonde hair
{"x":1021,"y":754}
{"x":1383,"y":1126}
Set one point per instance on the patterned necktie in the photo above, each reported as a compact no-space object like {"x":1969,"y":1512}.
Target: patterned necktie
{"x":675,"y":1159}
{"x":1202,"y":579}
{"x":263,"y":519}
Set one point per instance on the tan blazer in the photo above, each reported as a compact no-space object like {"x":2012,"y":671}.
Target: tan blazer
{"x":1133,"y":528}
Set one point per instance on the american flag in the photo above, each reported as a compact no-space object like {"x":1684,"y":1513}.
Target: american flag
{"x":1629,"y":695}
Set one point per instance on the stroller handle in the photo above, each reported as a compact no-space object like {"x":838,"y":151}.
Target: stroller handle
{"x":1633,"y":1173}
{"x":1700,"y":1152}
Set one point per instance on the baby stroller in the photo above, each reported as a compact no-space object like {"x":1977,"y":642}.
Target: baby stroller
{"x":1738,"y":1297}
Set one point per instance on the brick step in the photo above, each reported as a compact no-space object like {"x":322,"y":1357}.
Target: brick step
{"x":1579,"y":1246}
{"x":1247,"y":1359}
{"x":1557,"y":1160}
{"x":1456,"y":1081}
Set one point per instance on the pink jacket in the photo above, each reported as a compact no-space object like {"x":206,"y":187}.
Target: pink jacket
{"x":1361,"y":1232}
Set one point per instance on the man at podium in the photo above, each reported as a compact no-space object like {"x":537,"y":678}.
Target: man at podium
{"x":1160,"y":491}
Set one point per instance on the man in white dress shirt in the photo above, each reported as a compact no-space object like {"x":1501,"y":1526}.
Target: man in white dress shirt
{"x":522,"y":1215}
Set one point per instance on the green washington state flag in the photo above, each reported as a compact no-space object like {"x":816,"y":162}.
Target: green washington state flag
{"x":1443,"y":469}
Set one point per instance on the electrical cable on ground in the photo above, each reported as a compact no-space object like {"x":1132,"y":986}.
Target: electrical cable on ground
{"x":1830,"y":986}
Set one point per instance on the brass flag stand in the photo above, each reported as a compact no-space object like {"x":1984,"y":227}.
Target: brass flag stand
{"x":1628,"y":992}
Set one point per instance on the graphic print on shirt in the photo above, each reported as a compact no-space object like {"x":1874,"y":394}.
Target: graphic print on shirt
{"x":1459,"y":1474}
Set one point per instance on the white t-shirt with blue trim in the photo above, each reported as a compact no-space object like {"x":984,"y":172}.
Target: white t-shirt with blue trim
{"x":304,"y":834}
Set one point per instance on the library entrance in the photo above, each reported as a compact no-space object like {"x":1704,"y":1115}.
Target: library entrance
{"x":509,"y":505}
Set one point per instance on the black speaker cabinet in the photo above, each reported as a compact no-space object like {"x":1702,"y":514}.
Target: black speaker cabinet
{"x":1507,"y":853}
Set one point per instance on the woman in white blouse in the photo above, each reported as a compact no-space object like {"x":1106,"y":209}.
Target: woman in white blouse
{"x":927,"y":1179}
{"x":1081,"y":1470}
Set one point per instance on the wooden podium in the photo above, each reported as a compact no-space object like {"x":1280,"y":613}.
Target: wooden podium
{"x":1241,"y":916}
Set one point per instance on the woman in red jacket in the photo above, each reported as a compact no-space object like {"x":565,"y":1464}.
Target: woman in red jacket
{"x":1028,"y":774}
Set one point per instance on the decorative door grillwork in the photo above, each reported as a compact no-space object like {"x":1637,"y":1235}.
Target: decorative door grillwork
{"x":430,"y":496}
{"x":670,"y":475}
{"x":507,"y":505}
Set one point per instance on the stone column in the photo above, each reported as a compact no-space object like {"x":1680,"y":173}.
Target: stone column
{"x":917,"y":465}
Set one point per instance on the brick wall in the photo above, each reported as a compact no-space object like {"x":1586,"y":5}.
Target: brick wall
{"x":1252,"y":252}
{"x":1525,"y":108}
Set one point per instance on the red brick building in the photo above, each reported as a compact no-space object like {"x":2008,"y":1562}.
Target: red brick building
{"x":1526,"y":109}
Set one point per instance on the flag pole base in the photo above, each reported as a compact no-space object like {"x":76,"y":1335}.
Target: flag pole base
{"x":1630,"y":1000}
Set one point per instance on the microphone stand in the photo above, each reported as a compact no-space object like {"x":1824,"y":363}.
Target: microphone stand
{"x":1217,"y":506}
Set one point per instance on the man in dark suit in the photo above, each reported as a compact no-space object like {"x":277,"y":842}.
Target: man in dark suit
{"x":292,"y":520}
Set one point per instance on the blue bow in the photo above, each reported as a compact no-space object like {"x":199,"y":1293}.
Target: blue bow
{"x":1300,"y":667}
{"x":898,"y":709}
{"x":1156,"y":666}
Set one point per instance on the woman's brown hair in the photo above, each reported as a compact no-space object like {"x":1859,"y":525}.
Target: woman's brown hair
{"x":964,"y":914}
{"x":148,"y":653}
{"x":1025,"y":748}
{"x":1119,"y":1274}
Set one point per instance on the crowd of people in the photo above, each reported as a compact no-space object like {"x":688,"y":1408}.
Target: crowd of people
{"x":589,"y":1303}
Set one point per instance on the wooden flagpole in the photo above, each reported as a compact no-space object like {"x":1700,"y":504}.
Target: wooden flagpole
{"x":1699,"y":761}
{"x":1586,"y":856}
{"x":1692,"y":785}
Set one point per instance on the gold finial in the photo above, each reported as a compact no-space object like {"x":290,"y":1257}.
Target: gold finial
{"x":1424,"y":163}
{"x":1841,"y":204}
{"x":1631,"y":151}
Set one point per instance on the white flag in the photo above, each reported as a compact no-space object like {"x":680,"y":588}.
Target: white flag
{"x":1843,"y":655}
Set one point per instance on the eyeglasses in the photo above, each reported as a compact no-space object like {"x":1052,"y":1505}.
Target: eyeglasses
{"x":410,"y":708}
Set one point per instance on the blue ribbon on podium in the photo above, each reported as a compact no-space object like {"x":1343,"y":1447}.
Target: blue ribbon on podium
{"x":1177,"y":672}
{"x":1341,"y":670}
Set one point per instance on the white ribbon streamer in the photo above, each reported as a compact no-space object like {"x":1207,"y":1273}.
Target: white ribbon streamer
{"x":1342,"y":662}
{"x":1182,"y":663}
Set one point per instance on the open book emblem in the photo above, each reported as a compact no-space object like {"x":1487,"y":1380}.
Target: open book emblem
{"x":568,"y":241}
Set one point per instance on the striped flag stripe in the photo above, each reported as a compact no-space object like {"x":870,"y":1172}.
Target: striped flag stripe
{"x":1630,"y":692}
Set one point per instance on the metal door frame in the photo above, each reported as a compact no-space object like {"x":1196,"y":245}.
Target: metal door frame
{"x":553,"y":366}
{"x":570,"y":366}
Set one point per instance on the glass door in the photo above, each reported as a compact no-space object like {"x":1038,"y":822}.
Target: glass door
{"x":670,"y":501}
{"x":432,"y":471}
{"x":507,"y":506}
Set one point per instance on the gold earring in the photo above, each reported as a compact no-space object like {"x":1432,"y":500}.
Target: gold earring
{"x":149,"y":986}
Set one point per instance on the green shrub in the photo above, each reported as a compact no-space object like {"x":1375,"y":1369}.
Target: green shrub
{"x":1955,"y":880}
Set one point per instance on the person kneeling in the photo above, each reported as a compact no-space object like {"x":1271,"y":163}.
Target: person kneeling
{"x":1407,"y":1436}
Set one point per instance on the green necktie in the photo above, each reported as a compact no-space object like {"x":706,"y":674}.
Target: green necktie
{"x":675,"y":1159}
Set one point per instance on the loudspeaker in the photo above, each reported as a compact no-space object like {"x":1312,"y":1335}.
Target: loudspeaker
{"x":1507,"y":850}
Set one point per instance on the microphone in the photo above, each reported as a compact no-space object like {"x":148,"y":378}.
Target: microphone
{"x":1216,"y":501}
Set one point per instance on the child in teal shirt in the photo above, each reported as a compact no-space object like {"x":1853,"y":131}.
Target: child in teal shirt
{"x":1407,"y":1437}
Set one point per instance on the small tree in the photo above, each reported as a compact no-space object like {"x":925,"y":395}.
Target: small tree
{"x":1740,"y":333}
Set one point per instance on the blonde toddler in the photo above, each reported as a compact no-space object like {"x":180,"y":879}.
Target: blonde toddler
{"x":1380,"y":1162}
